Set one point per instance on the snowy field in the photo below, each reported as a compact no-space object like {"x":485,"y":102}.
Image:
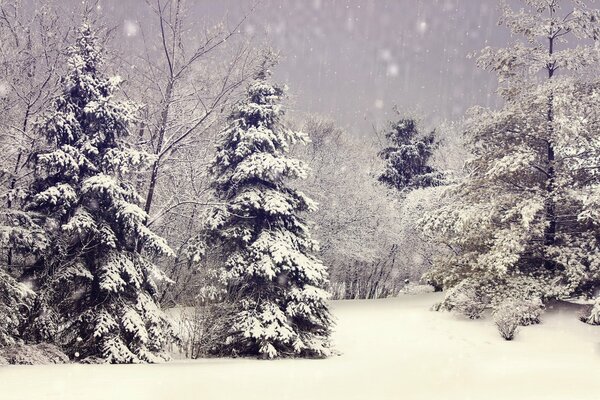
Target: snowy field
{"x":392,"y":349}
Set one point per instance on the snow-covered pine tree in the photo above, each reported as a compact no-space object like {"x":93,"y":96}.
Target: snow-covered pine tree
{"x":407,"y":158}
{"x":95,"y":289}
{"x":275,"y":302}
{"x":524,"y":221}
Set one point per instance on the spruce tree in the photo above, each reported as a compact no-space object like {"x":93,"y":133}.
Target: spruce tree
{"x":523,"y":222}
{"x":275,"y":303}
{"x":408,"y":156}
{"x":96,"y":290}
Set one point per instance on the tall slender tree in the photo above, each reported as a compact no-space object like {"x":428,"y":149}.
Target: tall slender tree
{"x":523,"y":221}
{"x":95,"y":289}
{"x":275,"y":302}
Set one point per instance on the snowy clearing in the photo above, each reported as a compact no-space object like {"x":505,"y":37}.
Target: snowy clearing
{"x":392,"y":349}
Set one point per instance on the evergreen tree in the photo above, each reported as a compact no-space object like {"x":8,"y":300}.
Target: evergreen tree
{"x":275,"y":301}
{"x":95,"y":289}
{"x":524,"y":220}
{"x":407,"y":158}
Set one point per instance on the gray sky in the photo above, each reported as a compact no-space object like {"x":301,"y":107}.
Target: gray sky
{"x":353,"y":60}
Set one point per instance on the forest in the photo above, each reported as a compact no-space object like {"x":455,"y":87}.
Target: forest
{"x":165,"y":202}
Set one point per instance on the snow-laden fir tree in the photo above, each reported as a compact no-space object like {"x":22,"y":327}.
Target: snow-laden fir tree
{"x":275,"y":303}
{"x":525,"y":221}
{"x":96,"y":290}
{"x":407,"y":158}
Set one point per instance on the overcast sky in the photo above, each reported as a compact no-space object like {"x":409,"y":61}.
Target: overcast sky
{"x":354,"y":60}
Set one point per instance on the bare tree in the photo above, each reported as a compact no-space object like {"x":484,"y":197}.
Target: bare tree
{"x":186,"y":88}
{"x":186,"y":77}
{"x":31,"y":49}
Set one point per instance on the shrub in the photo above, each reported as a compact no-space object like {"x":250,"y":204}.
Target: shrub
{"x":591,"y":314}
{"x":512,"y":312}
{"x":507,"y":322}
{"x":365,"y":280}
{"x":200,"y":327}
{"x":42,"y":353}
{"x":465,"y":299}
{"x":527,"y":311}
{"x":415,"y":289}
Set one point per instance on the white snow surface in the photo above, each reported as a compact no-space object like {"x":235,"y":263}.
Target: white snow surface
{"x":391,"y":349}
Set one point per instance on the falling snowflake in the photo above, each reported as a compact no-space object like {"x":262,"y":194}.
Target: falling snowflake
{"x":131,"y":28}
{"x":385,"y":54}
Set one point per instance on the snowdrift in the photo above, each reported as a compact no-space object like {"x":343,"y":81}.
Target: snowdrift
{"x":391,"y":349}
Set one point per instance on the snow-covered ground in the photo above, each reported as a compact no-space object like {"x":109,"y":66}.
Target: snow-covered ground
{"x":392,"y":349}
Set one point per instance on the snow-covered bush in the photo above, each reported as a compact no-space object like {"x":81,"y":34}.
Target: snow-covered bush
{"x":513,"y":312}
{"x":528,"y":311}
{"x":466,"y":299}
{"x":507,"y":321}
{"x":200,"y":327}
{"x":591,"y":314}
{"x":33,"y":354}
{"x":416,"y":289}
{"x":365,"y":280}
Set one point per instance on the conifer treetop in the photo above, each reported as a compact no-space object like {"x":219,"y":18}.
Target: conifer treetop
{"x":272,"y":279}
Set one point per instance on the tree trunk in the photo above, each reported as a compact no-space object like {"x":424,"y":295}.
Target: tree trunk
{"x":164,"y":117}
{"x":550,"y":206}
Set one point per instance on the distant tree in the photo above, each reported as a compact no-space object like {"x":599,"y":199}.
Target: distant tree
{"x":524,"y":221}
{"x":96,"y":291}
{"x":407,"y":159}
{"x":357,"y":223}
{"x":275,"y":302}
